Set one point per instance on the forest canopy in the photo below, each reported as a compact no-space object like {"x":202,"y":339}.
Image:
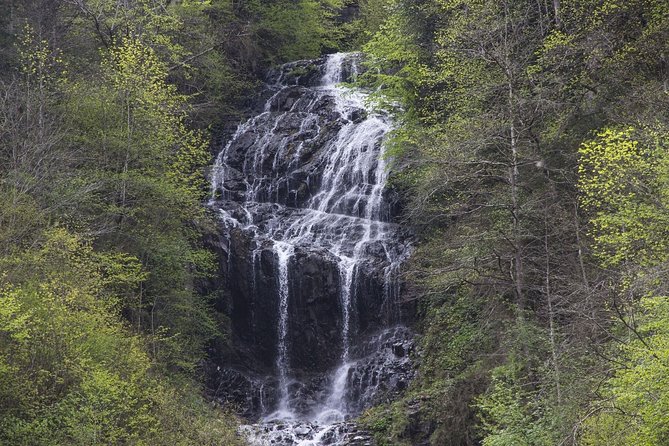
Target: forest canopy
{"x":529,"y":152}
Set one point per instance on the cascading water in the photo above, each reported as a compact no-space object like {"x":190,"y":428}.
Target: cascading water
{"x":301,"y":191}
{"x":284,"y":251}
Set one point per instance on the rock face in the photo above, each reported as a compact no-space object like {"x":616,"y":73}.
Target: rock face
{"x":310,"y":253}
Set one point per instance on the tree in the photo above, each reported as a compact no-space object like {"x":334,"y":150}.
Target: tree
{"x":623,"y":176}
{"x":31,"y":155}
{"x":634,"y":404}
{"x":624,"y":184}
{"x":71,"y":372}
{"x":492,"y":114}
{"x":144,"y":170}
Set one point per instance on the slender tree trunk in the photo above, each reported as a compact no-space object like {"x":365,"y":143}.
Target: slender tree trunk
{"x":556,"y":9}
{"x":515,"y":211}
{"x":153,"y":330}
{"x":579,"y":245}
{"x":139,"y":307}
{"x":551,"y":309}
{"x":514,"y":173}
{"x":127,"y":153}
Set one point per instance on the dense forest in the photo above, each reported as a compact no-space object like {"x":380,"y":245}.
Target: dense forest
{"x":529,"y":152}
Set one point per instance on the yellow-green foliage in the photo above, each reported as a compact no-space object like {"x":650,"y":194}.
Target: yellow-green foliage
{"x":634,"y":411}
{"x":624,"y":183}
{"x":512,"y":414}
{"x":127,"y":173}
{"x":156,"y":22}
{"x":373,"y":13}
{"x":388,"y":423}
{"x":396,"y":60}
{"x":155,"y":112}
{"x":39,"y":63}
{"x":71,"y":373}
{"x":145,"y":174}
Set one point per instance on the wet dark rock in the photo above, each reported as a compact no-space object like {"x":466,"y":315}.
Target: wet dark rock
{"x":382,"y":374}
{"x":243,"y":391}
{"x":398,"y":350}
{"x":358,"y":116}
{"x":301,"y":72}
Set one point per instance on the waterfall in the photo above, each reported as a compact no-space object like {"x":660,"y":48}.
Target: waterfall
{"x":283,"y":251}
{"x":305,"y":180}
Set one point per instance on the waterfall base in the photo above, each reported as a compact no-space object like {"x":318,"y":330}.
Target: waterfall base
{"x":381,"y":372}
{"x":306,"y":434}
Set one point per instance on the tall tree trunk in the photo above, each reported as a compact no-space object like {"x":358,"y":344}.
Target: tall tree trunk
{"x":551,"y":309}
{"x":517,"y":273}
{"x":579,"y":246}
{"x":556,"y":9}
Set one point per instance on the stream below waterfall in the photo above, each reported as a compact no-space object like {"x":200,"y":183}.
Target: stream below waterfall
{"x":313,"y":259}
